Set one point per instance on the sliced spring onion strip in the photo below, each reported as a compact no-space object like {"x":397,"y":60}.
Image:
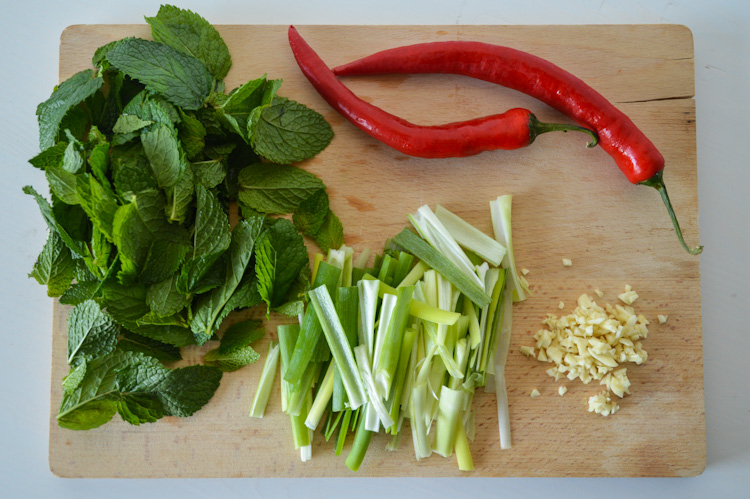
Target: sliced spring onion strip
{"x":449,"y":412}
{"x":310,"y":331}
{"x":433,"y":231}
{"x":339,"y":345}
{"x":463,"y":453}
{"x":375,"y":400}
{"x":359,"y":448}
{"x":470,"y":237}
{"x":322,"y":397}
{"x":387,"y":361}
{"x":368,"y":309}
{"x":501,"y":356}
{"x":414,"y":274}
{"x":419,"y":248}
{"x":267,"y":377}
{"x":500,"y":210}
{"x":419,"y":425}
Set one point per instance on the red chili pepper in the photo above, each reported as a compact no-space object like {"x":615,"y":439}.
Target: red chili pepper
{"x":633,"y":152}
{"x":511,"y":130}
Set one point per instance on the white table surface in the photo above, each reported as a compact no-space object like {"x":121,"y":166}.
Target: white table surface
{"x":31,"y":31}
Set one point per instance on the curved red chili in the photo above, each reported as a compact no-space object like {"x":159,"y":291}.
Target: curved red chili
{"x":513,"y":129}
{"x":634,"y":153}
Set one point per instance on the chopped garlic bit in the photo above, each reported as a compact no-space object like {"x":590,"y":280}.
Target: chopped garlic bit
{"x":524,"y":271}
{"x":561,"y":305}
{"x":528,"y":351}
{"x":662,"y":318}
{"x":562,"y":390}
{"x":629,"y":296}
{"x":534,"y":393}
{"x":567,"y":262}
{"x":603,"y":404}
{"x":590,"y":344}
{"x":599,"y":293}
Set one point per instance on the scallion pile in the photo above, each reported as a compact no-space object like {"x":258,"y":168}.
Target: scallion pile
{"x":411,"y":337}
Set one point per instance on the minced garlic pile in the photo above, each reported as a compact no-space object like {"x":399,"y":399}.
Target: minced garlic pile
{"x":591,"y":343}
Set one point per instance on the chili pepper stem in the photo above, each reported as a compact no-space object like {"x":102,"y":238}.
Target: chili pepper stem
{"x":657,"y":182}
{"x":537,"y":127}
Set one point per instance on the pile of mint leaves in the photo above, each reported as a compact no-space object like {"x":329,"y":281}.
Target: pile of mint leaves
{"x":146,"y":155}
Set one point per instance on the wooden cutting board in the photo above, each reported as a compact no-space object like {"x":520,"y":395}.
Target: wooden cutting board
{"x":569,"y":202}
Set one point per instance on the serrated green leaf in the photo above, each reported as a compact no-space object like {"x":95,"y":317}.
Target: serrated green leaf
{"x":91,"y":332}
{"x":137,"y":225}
{"x":234,"y":111}
{"x":164,"y":299}
{"x":209,"y":173}
{"x":164,"y":259}
{"x":331,"y":233}
{"x":192,"y":133}
{"x":186,"y":390}
{"x":131,"y":342}
{"x":79,"y":292}
{"x":129,"y":123}
{"x":234,"y":349}
{"x":310,"y":215}
{"x":181,"y":79}
{"x":98,"y":203}
{"x":54,"y":266}
{"x":68,"y":94}
{"x":73,"y":379}
{"x":210,"y":307}
{"x":189,"y":33}
{"x":47,"y":213}
{"x":270,"y":188}
{"x":52,"y":156}
{"x":280,"y":257}
{"x":288,"y":132}
{"x":137,"y":408}
{"x":212,"y":231}
{"x":164,"y":153}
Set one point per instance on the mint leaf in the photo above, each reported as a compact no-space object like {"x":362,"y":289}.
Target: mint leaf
{"x":131,"y":342}
{"x":209,"y":173}
{"x":137,"y":225}
{"x":54,"y":266}
{"x":209,"y":308}
{"x":331,"y":233}
{"x":79,"y":292}
{"x":136,"y":408}
{"x":234,"y":350}
{"x":171,"y":334}
{"x":192,"y":134}
{"x":186,"y":390}
{"x":73,"y":379}
{"x":311,"y":213}
{"x":75,"y":246}
{"x":235,"y":111}
{"x":164,"y":259}
{"x":189,"y":33}
{"x":280,"y":257}
{"x":212,"y":231}
{"x":149,"y":107}
{"x":124,"y":303}
{"x":164,"y":154}
{"x":91,"y":332}
{"x":52,"y":156}
{"x":98,"y":204}
{"x":94,"y":401}
{"x":129,"y":123}
{"x":62,"y":184}
{"x":287,"y":132}
{"x":180,"y":196}
{"x":181,"y":79}
{"x":68,"y":94}
{"x":164,"y":299}
{"x":270,"y":188}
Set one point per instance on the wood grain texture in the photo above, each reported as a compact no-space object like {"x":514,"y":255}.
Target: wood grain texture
{"x":568,"y":202}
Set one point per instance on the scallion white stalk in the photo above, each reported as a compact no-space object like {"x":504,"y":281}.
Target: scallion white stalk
{"x":339,"y":345}
{"x":500,"y":210}
{"x":322,"y":397}
{"x":267,"y":377}
{"x":470,"y":237}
